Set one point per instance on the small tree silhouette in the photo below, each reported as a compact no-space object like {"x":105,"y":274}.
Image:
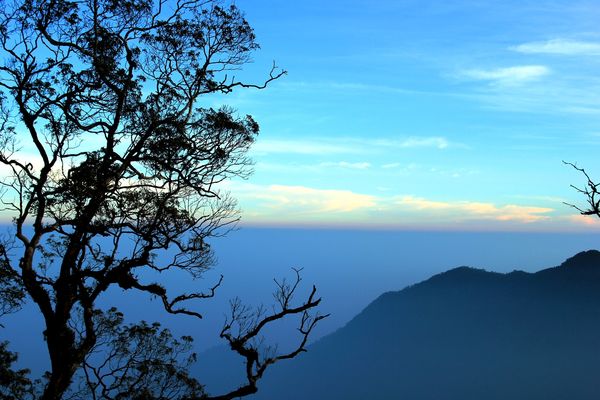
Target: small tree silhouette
{"x":114,"y":168}
{"x":591,"y":192}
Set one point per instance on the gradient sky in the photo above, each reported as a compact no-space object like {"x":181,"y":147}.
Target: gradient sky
{"x":406,"y":114}
{"x":422,"y":114}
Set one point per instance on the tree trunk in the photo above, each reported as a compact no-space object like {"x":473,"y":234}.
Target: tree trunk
{"x":64,"y":361}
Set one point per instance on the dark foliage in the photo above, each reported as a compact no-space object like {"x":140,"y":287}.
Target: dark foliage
{"x":139,"y":361}
{"x":116,"y":170}
{"x":14,"y":384}
{"x":11,"y":290}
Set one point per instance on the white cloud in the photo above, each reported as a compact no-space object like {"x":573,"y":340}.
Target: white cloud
{"x":319,"y":200}
{"x":465,"y":210}
{"x":328,"y":86}
{"x":584,"y":220}
{"x":550,"y":98}
{"x":509,"y":76}
{"x":349,"y":145}
{"x":551,"y":199}
{"x":399,"y":167}
{"x":345,"y":164}
{"x":437,"y":142}
{"x":391,"y":165}
{"x":307,"y":147}
{"x":283,"y":200}
{"x":559,"y":46}
{"x":291,"y":204}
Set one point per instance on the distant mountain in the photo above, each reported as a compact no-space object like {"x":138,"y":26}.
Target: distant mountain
{"x":463,"y":334}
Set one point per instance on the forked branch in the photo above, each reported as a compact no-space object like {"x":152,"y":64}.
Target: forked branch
{"x":249,"y":326}
{"x":590,"y":191}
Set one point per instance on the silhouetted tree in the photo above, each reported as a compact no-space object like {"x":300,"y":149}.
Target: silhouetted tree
{"x":591,"y":192}
{"x":113,"y":170}
{"x":13,"y":384}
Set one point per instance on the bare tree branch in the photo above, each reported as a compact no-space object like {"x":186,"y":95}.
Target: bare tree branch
{"x":590,"y":191}
{"x":249,"y":325}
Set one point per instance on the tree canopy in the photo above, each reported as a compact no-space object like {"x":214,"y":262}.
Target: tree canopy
{"x":112,"y":167}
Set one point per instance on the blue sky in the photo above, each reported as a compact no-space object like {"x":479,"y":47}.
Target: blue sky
{"x":422,"y":114}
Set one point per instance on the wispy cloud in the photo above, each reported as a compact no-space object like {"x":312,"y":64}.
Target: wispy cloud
{"x":559,"y":46}
{"x":584,"y":220}
{"x":345,"y":164}
{"x":391,"y":165}
{"x":328,"y":86}
{"x":301,"y":199}
{"x":468,"y":210}
{"x":397,"y":167}
{"x":300,"y":203}
{"x":509,"y":76}
{"x":312,"y":147}
{"x":414,"y":142}
{"x":350,"y":145}
{"x":530,"y":90}
{"x":547,"y":98}
{"x":550,"y":199}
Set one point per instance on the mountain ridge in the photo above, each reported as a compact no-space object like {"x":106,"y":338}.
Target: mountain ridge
{"x":466,"y":333}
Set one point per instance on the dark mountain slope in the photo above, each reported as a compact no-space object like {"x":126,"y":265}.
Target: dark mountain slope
{"x":463,"y":334}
